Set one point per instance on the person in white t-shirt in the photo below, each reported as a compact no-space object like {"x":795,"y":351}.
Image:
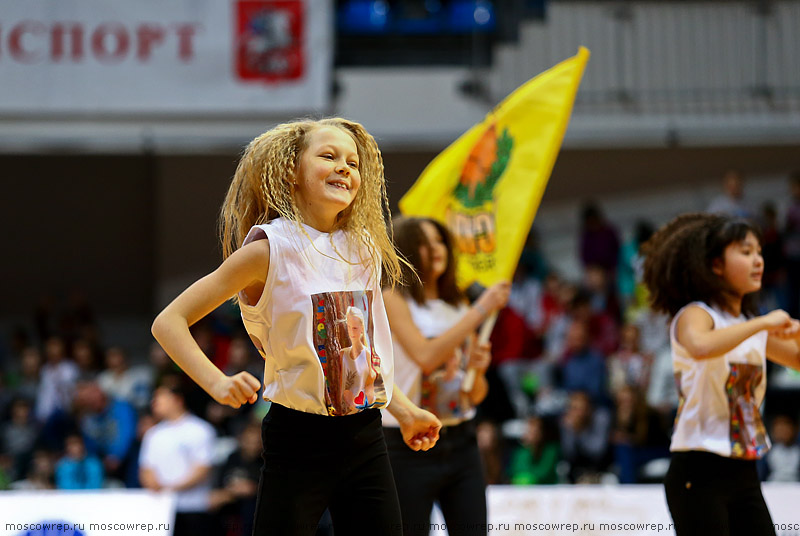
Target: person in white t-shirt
{"x":177,"y":455}
{"x":304,"y":238}
{"x":703,"y":270}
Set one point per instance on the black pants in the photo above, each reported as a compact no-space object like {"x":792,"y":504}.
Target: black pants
{"x":709,"y":494}
{"x":450,"y":473}
{"x":313,"y":462}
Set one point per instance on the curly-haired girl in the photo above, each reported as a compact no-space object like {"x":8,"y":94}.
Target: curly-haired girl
{"x":304,"y":239}
{"x":704,"y":270}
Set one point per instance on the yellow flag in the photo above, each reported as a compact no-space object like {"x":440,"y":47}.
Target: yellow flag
{"x":487,"y":185}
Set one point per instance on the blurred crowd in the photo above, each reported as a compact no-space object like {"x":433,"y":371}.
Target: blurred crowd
{"x":79,"y":413}
{"x":581,"y":385}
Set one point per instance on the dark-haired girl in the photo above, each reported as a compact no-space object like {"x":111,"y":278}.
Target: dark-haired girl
{"x":434,"y":346}
{"x":704,"y":270}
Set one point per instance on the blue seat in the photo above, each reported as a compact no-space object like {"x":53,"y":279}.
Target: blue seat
{"x":364,"y":16}
{"x":470,"y":16}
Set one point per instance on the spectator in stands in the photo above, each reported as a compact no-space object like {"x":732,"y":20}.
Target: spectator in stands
{"x":583,"y":368}
{"x":599,"y":240}
{"x":630,"y":265}
{"x":77,"y":469}
{"x":108,"y":425}
{"x":490,"y":445}
{"x":783,"y":459}
{"x":602,"y":292}
{"x":27,"y":383}
{"x":629,"y":365}
{"x":518,"y":340}
{"x":556,"y":330}
{"x":585,"y":438}
{"x":637,"y":435}
{"x":18,"y":437}
{"x":237,"y":483}
{"x":58,"y":378}
{"x":40,"y":474}
{"x":146,"y":421}
{"x":54,"y":397}
{"x":83,"y":353}
{"x":534,"y":462}
{"x":662,"y":394}
{"x":176,"y":455}
{"x":731,"y":201}
{"x":603,"y":329}
{"x":129,"y":384}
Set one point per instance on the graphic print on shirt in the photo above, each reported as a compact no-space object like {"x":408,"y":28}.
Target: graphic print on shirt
{"x":441,"y":389}
{"x":343,"y":340}
{"x":747,"y":432}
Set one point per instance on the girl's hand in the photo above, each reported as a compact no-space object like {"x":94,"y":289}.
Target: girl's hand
{"x":421,"y":430}
{"x":790,"y":331}
{"x":495,"y":297}
{"x":480,"y":355}
{"x":777,"y":320}
{"x":236,"y":390}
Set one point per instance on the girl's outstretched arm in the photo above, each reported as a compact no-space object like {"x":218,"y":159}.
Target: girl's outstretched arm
{"x":420,"y":428}
{"x":245,"y":270}
{"x":695,"y":331}
{"x":430,"y":354}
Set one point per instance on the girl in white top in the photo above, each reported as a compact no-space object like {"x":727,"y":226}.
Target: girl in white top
{"x":304,"y":239}
{"x":433,"y":329}
{"x":703,"y":270}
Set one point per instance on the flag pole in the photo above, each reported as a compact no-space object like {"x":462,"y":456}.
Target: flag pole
{"x":483,"y":337}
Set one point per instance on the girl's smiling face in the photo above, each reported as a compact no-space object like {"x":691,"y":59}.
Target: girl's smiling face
{"x":741,"y":265}
{"x":327,"y":177}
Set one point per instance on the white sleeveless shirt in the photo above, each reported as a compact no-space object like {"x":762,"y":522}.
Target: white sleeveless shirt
{"x":438,"y":392}
{"x":299,"y":324}
{"x":720,"y":397}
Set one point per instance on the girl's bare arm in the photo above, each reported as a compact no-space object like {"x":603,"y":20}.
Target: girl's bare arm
{"x":430,"y":354}
{"x":246,"y":269}
{"x":695,"y":331}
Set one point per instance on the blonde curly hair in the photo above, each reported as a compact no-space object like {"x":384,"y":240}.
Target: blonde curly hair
{"x":260,"y":192}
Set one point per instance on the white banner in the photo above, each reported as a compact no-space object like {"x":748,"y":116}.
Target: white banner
{"x":626,"y":510}
{"x":176,"y":57}
{"x":86,"y":513}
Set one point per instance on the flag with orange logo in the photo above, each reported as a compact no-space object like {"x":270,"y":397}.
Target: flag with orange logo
{"x":487,"y":185}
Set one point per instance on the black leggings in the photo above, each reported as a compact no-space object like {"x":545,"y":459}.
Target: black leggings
{"x":451,"y":473}
{"x":709,"y":494}
{"x":313,"y":462}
